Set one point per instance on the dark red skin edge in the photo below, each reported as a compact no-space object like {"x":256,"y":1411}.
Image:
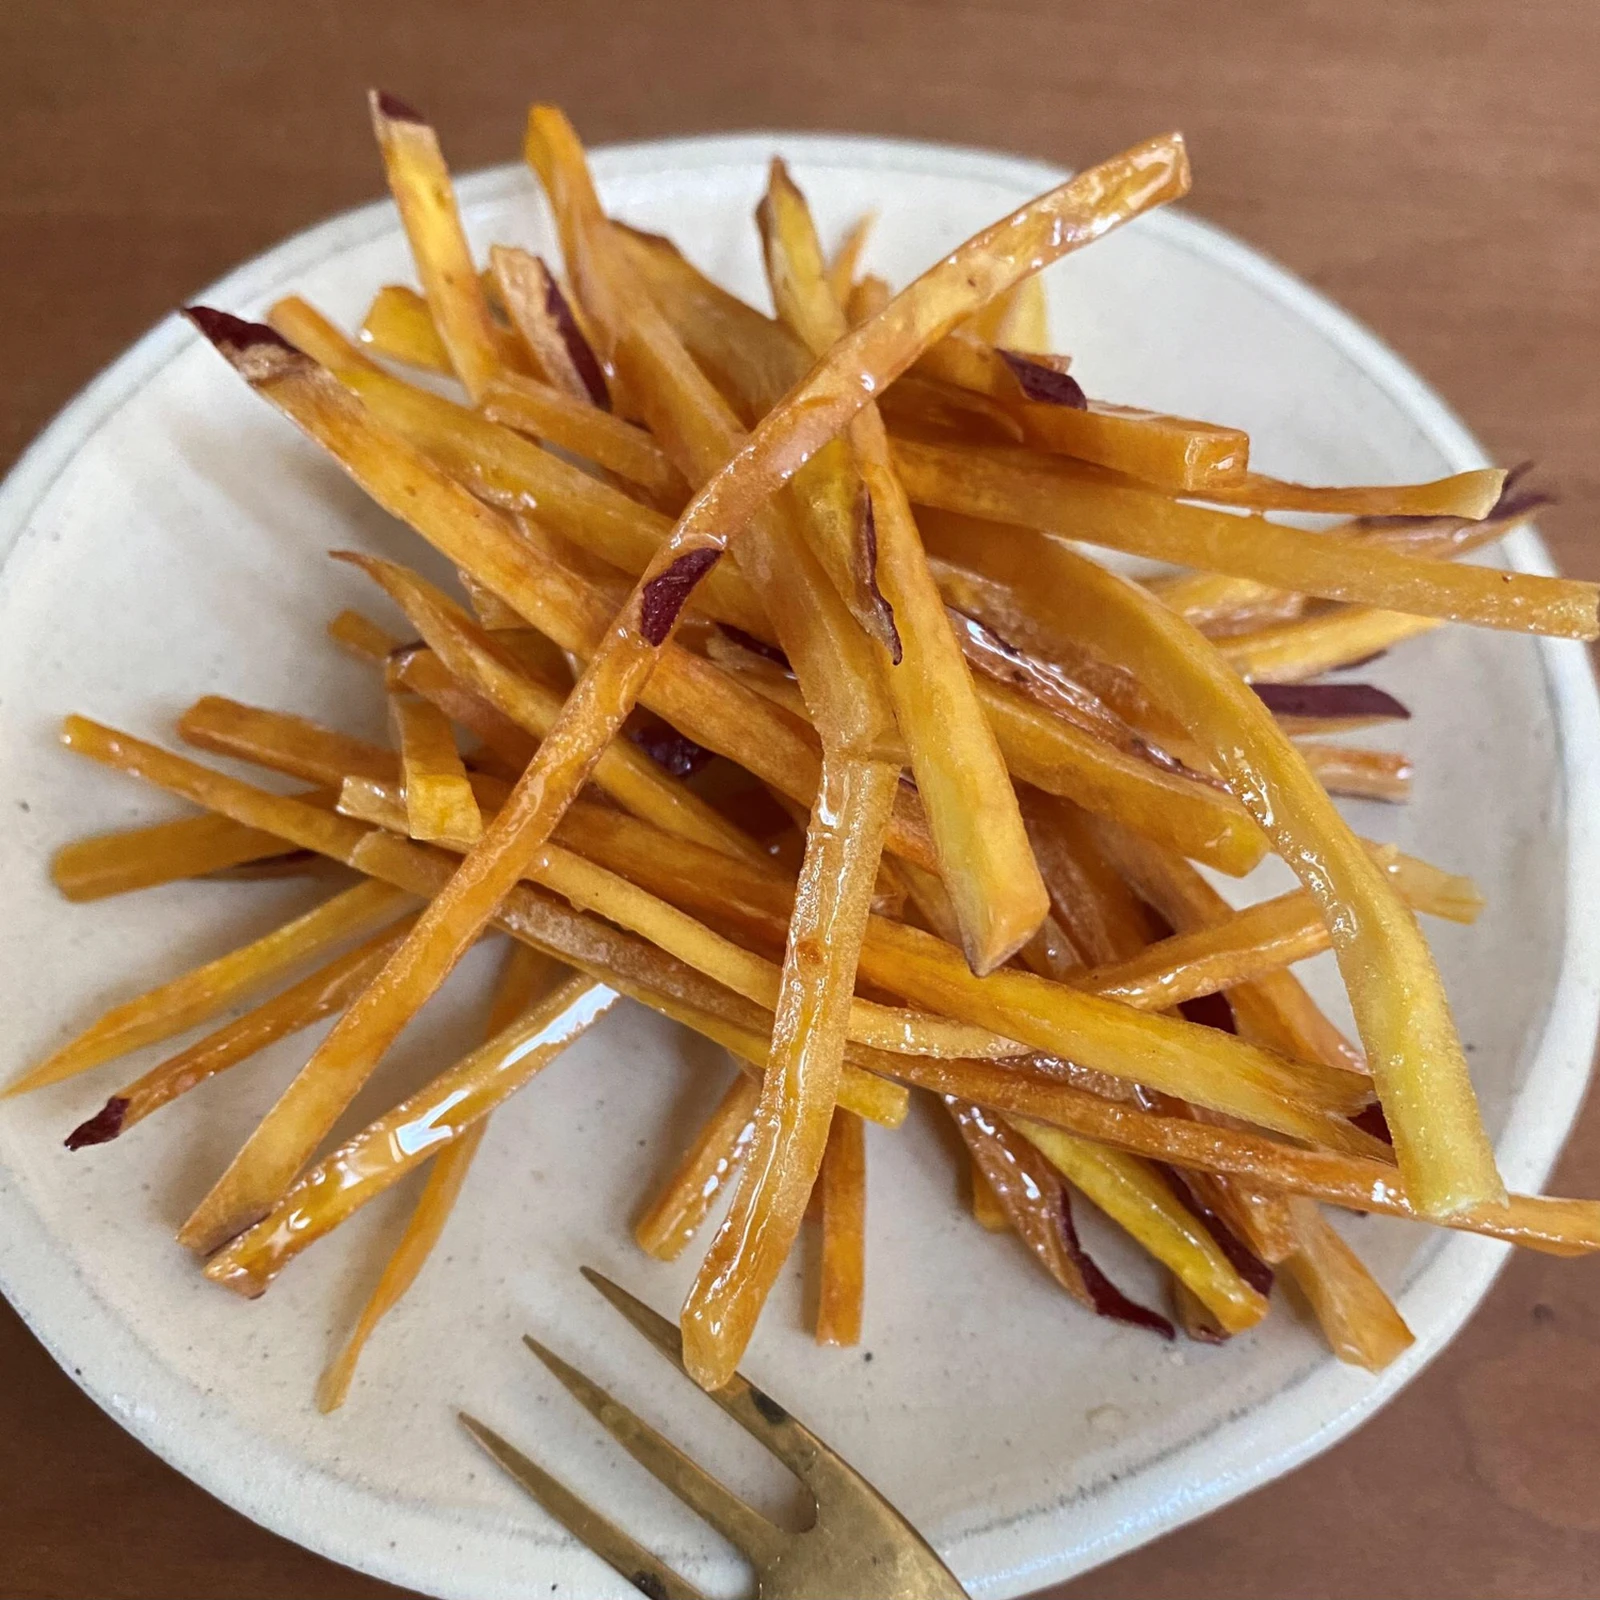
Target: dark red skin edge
{"x":1331,"y":700}
{"x":666,"y":594}
{"x":1043,"y":383}
{"x":1240,"y":1256}
{"x":102,"y":1127}
{"x":869,"y":538}
{"x":756,"y":647}
{"x":1109,"y":1300}
{"x":229,"y":332}
{"x":398,"y":110}
{"x":579,"y":348}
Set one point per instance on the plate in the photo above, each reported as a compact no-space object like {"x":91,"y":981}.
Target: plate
{"x":163,"y":539}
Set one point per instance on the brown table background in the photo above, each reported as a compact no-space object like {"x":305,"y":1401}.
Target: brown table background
{"x":1429,"y":164}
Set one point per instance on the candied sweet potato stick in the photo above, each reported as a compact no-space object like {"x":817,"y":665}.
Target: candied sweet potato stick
{"x":1289,"y":652}
{"x":512,"y":398}
{"x":327,"y":990}
{"x":1463,"y":494}
{"x":141,"y":858}
{"x":179,"y":1004}
{"x":674,"y":1216}
{"x":537,"y":409}
{"x":1175,"y":454}
{"x":984,"y":857}
{"x":420,"y":183}
{"x":1395,"y":989}
{"x":544,"y":317}
{"x":845,"y":261}
{"x":525,"y":975}
{"x":1054,"y":495}
{"x":1361,"y":1322}
{"x":399,"y":325}
{"x":1362,"y":774}
{"x":419,"y":1128}
{"x":844,"y":1232}
{"x":439,"y":799}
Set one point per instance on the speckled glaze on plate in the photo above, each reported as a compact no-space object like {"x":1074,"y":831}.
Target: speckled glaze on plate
{"x":163,"y":539}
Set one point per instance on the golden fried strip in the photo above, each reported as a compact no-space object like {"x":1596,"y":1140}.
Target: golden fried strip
{"x":844,"y":1232}
{"x":439,"y":799}
{"x":1362,"y":1324}
{"x":141,"y":858}
{"x":420,"y":183}
{"x":674,"y":1216}
{"x":1290,"y":652}
{"x":1136,"y":1196}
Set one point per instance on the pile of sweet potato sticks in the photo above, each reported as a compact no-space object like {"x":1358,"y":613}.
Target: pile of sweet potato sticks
{"x":779,"y":697}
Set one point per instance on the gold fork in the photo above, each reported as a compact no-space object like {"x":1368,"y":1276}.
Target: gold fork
{"x":857,"y":1546}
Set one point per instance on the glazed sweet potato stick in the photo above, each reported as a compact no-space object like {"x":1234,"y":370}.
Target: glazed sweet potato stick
{"x":1273,"y":1009}
{"x":519,"y":402}
{"x":1395,"y":990}
{"x":327,"y":990}
{"x":1289,"y":652}
{"x":417,"y":1129}
{"x":984,"y":859}
{"x":1175,"y":454}
{"x":439,"y":799}
{"x":399,"y":325}
{"x":420,"y":183}
{"x":627,"y":964}
{"x":543,"y":412}
{"x":141,"y":858}
{"x":1363,"y":774}
{"x":542,"y":314}
{"x":844,"y":1232}
{"x":1031,"y":491}
{"x":179,"y":1004}
{"x":525,"y":976}
{"x":846,"y":258}
{"x":674,"y":1216}
{"x":1360,"y":1321}
{"x":1463,"y":494}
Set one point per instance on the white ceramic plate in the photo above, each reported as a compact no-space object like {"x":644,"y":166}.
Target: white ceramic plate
{"x":164,"y":538}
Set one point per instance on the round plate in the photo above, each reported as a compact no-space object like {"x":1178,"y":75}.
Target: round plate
{"x":164,"y":540}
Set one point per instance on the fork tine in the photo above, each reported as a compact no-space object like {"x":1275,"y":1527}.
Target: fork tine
{"x":648,"y":1575}
{"x":692,"y":1484}
{"x":794,"y":1444}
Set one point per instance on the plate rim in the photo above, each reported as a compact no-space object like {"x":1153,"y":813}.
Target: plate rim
{"x":65,"y":1313}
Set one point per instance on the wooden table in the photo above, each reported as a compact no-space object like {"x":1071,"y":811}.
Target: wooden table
{"x":1431,"y":165}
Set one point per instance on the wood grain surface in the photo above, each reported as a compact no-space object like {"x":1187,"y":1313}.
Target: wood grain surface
{"x":1431,"y":165}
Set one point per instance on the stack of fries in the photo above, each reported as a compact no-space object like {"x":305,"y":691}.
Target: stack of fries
{"x":909,"y":791}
